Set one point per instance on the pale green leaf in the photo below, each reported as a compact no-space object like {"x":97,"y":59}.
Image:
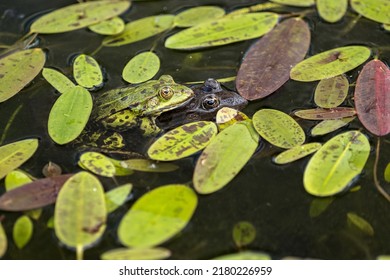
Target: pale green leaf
{"x":146,"y":165}
{"x":377,"y":10}
{"x":243,"y":233}
{"x":245,"y":255}
{"x":16,"y":178}
{"x":22,"y":231}
{"x":58,"y":80}
{"x":136,"y":254}
{"x":328,"y":126}
{"x":15,"y":154}
{"x":112,"y":26}
{"x":86,"y":72}
{"x":69,"y":115}
{"x":331,"y":92}
{"x":18,"y":69}
{"x":141,"y":68}
{"x":97,"y":163}
{"x":3,"y":241}
{"x":116,"y":197}
{"x":296,"y":153}
{"x":297,"y":3}
{"x":336,"y":164}
{"x":197,"y":15}
{"x":355,"y":221}
{"x":121,"y":169}
{"x":332,"y":10}
{"x":157,"y":216}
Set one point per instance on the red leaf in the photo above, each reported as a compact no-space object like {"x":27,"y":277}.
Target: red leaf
{"x":372,"y":97}
{"x":267,"y":64}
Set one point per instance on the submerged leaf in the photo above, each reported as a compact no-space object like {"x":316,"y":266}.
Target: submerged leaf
{"x":332,"y":10}
{"x":110,"y":26}
{"x":245,"y":255}
{"x":336,"y":164}
{"x":331,"y":92}
{"x":297,"y":3}
{"x":78,"y":16}
{"x":116,"y":197}
{"x":265,"y":68}
{"x":86,"y":72}
{"x":157,"y":216}
{"x":325,"y":114}
{"x":328,"y":126}
{"x":223,"y":31}
{"x":197,"y":15}
{"x":147,"y":165}
{"x":243,"y":233}
{"x":377,"y":10}
{"x":296,"y":153}
{"x":330,"y":63}
{"x":18,"y":69}
{"x":16,"y":178}
{"x":141,"y":68}
{"x":355,"y":221}
{"x":136,"y":254}
{"x":22,"y":231}
{"x":318,"y":205}
{"x":58,"y":80}
{"x":97,"y":163}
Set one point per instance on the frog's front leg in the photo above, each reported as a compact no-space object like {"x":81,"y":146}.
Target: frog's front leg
{"x":121,"y":121}
{"x":148,"y":126}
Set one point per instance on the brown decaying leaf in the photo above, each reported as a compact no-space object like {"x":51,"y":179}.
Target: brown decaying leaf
{"x":325,"y":114}
{"x":267,"y":64}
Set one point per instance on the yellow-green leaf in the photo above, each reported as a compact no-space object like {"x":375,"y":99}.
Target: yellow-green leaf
{"x":141,"y":68}
{"x":377,"y":10}
{"x":223,"y":31}
{"x":331,"y":92}
{"x":58,"y":80}
{"x":332,"y":10}
{"x":278,"y":128}
{"x":22,"y":231}
{"x":227,"y":116}
{"x":387,"y":173}
{"x":386,"y":27}
{"x":69,"y":115}
{"x":34,"y":214}
{"x":318,"y":205}
{"x":15,"y":154}
{"x":245,"y":255}
{"x":383,"y":257}
{"x":297,"y":3}
{"x":3,"y":241}
{"x":78,"y":16}
{"x":80,"y":211}
{"x":296,"y":153}
{"x":325,"y":114}
{"x":116,"y":197}
{"x":136,"y":254}
{"x":16,"y":178}
{"x":224,"y":157}
{"x":355,"y":221}
{"x":140,"y":29}
{"x":197,"y":15}
{"x":336,"y":164}
{"x":121,"y":169}
{"x":183,"y":141}
{"x":146,"y":165}
{"x":328,"y":126}
{"x":243,"y":233}
{"x":86,"y":72}
{"x":330,"y":63}
{"x":97,"y":163}
{"x":18,"y":69}
{"x":157,"y":216}
{"x":112,"y":26}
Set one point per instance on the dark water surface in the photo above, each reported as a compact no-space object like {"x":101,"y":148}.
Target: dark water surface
{"x":269,"y":196}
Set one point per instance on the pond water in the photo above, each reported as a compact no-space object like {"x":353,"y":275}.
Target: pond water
{"x":269,"y":196}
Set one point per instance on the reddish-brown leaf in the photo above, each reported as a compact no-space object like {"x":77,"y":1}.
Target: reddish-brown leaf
{"x":325,"y":114}
{"x":33,"y":195}
{"x":267,"y":64}
{"x":372,"y":97}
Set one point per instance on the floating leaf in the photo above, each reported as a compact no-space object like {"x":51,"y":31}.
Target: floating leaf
{"x":328,"y":126}
{"x":245,"y":255}
{"x":86,"y":71}
{"x":16,"y":178}
{"x":97,"y":163}
{"x":15,"y":154}
{"x":243,"y":233}
{"x":377,"y":10}
{"x":319,"y":205}
{"x":58,"y":80}
{"x":223,"y":31}
{"x":121,"y":169}
{"x":34,"y":214}
{"x":224,"y":157}
{"x":141,"y":68}
{"x":265,"y":68}
{"x":325,"y":114}
{"x":157,"y":216}
{"x":229,"y":116}
{"x":3,"y":241}
{"x":140,"y":29}
{"x":331,"y":92}
{"x":69,"y":115}
{"x":278,"y":128}
{"x":78,"y":16}
{"x":33,"y":195}
{"x":332,"y":10}
{"x":197,"y":15}
{"x":116,"y":197}
{"x":387,"y":173}
{"x":149,"y":165}
{"x":330,"y":63}
{"x":18,"y":69}
{"x":80,"y":212}
{"x":110,"y":26}
{"x":183,"y":141}
{"x":336,"y":164}
{"x":358,"y":222}
{"x":297,"y":3}
{"x":136,"y":254}
{"x":22,"y":231}
{"x":386,"y":27}
{"x":372,"y":99}
{"x":296,"y":153}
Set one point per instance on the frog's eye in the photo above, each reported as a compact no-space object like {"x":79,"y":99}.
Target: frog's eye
{"x":166,"y":93}
{"x":210,"y":102}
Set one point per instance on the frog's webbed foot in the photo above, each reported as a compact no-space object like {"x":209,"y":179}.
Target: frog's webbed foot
{"x":121,"y":121}
{"x":148,"y":126}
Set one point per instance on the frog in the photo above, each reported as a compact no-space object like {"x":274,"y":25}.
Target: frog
{"x":209,"y":98}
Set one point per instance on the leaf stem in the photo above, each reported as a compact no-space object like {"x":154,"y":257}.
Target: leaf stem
{"x":10,"y":121}
{"x":375,"y":171}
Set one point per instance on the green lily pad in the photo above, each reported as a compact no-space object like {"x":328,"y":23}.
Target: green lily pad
{"x":328,"y":126}
{"x":22,"y":231}
{"x":183,"y":141}
{"x":245,"y":255}
{"x":16,"y":178}
{"x":58,"y":80}
{"x":78,"y":16}
{"x":387,"y":173}
{"x":224,"y":157}
{"x":86,"y":72}
{"x":332,"y":10}
{"x":223,"y":31}
{"x":278,"y":128}
{"x":157,"y":216}
{"x":147,"y":165}
{"x":325,"y":114}
{"x":377,"y":10}
{"x":116,"y":197}
{"x":336,"y":164}
{"x":141,"y":68}
{"x":355,"y":221}
{"x":243,"y":233}
{"x":331,"y":92}
{"x":97,"y":163}
{"x":297,"y":152}
{"x":136,"y":254}
{"x":112,"y":26}
{"x":3,"y":241}
{"x":15,"y":154}
{"x":18,"y":69}
{"x":69,"y":115}
{"x":197,"y":15}
{"x":330,"y":63}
